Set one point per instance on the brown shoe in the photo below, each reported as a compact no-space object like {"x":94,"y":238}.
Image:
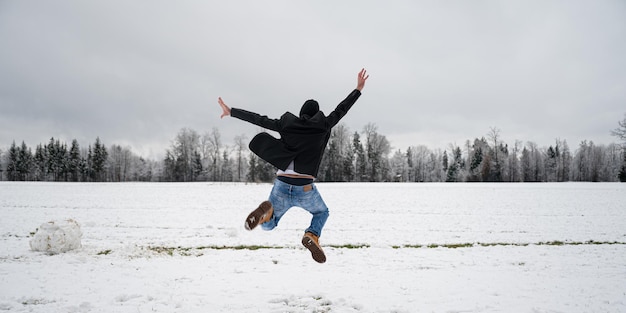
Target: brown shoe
{"x":261,"y":215}
{"x":311,"y":242}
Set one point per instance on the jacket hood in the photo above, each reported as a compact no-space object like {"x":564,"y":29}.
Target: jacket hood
{"x":309,"y":108}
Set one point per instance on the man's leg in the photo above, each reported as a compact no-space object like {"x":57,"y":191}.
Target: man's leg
{"x":319,"y":210}
{"x":270,"y":212}
{"x":313,"y":202}
{"x":260,"y":215}
{"x":311,"y":242}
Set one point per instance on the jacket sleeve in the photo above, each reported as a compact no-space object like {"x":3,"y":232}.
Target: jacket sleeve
{"x":256,"y":119}
{"x":342,"y":108}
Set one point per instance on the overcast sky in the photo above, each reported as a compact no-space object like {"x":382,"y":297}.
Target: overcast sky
{"x":135,"y":72}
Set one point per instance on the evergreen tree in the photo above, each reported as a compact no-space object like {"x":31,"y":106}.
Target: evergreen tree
{"x":53,"y":165}
{"x":347,"y":165}
{"x":452,"y":172}
{"x":253,"y":168}
{"x":99,"y":160}
{"x":40,"y":160}
{"x":88,"y":173}
{"x":478,"y":152}
{"x":331,"y":157}
{"x":550,"y":164}
{"x":477,"y":158}
{"x":75,"y":162}
{"x":622,"y":172}
{"x":12,"y":163}
{"x":265,"y":171}
{"x":169,"y":166}
{"x":360,"y":166}
{"x":24,"y":162}
{"x":57,"y":160}
{"x":460,"y":162}
{"x":226,"y":168}
{"x":197,"y":165}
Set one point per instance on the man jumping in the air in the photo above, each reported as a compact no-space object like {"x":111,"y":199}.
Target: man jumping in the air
{"x":297,"y":155}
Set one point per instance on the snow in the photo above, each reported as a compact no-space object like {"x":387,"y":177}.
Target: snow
{"x":57,"y":237}
{"x":160,"y":247}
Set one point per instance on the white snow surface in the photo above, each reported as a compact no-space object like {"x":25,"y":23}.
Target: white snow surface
{"x":391,"y":247}
{"x":57,"y":237}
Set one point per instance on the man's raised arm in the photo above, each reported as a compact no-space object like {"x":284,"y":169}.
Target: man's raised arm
{"x":225,"y":108}
{"x":362,"y":77}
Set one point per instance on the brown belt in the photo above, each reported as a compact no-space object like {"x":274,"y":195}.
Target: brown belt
{"x":305,"y":188}
{"x":297,"y":176}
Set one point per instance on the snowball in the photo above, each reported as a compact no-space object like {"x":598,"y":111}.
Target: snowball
{"x":57,"y":237}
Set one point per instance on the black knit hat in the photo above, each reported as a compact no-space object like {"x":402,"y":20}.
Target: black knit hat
{"x":309,"y":108}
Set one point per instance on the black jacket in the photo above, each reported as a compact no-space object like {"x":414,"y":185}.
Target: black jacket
{"x":301,"y":140}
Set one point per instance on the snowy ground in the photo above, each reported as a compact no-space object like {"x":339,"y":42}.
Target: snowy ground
{"x":390,"y":248}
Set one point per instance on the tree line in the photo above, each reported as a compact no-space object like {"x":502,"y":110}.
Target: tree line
{"x":351,"y":156}
{"x":56,"y":162}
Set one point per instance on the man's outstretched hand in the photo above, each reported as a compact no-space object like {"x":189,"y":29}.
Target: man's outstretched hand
{"x":225,"y":108}
{"x":363,"y":76}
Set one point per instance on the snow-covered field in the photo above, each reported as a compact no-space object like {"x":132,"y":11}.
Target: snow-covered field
{"x":159,"y":247}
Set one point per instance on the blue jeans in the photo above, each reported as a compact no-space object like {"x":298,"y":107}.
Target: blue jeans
{"x":285,"y":196}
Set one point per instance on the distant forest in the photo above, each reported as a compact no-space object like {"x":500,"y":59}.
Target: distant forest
{"x":364,"y":156}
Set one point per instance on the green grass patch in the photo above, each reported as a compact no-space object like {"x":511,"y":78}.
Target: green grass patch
{"x":493,"y":244}
{"x":350,"y":246}
{"x":504,"y":244}
{"x":552,"y":243}
{"x":408,"y":246}
{"x":458,"y":245}
{"x":197,"y":251}
{"x":449,"y":245}
{"x":238,"y":247}
{"x":186,"y":251}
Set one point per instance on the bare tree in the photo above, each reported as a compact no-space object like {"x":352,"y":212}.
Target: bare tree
{"x":399,"y":166}
{"x":494,"y":135}
{"x":1,"y":165}
{"x":620,"y":132}
{"x":119,"y":163}
{"x":240,"y":147}
{"x":377,"y":149}
{"x":181,"y":159}
{"x":212,"y":145}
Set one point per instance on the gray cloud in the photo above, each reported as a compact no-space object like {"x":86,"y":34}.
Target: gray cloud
{"x":442,"y":72}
